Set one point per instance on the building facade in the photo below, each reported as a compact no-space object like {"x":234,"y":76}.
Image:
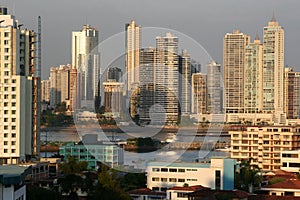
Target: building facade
{"x":214,"y":92}
{"x":273,"y":68}
{"x":263,"y":144}
{"x":185,"y":82}
{"x":218,"y":174}
{"x":86,"y":58}
{"x":19,"y":130}
{"x":199,"y":93}
{"x":291,"y":93}
{"x":234,"y":49}
{"x":113,"y":95}
{"x":253,"y":93}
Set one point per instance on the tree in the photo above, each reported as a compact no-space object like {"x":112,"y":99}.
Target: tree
{"x":248,"y":176}
{"x":73,"y":166}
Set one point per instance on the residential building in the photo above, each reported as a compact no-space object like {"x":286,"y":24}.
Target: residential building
{"x":45,"y":91}
{"x":199,"y":93}
{"x":234,"y":51}
{"x":218,"y":174}
{"x":253,"y":93}
{"x":181,"y":192}
{"x":74,"y":90}
{"x":214,"y":92}
{"x":185,"y":82}
{"x":93,"y":153}
{"x":273,"y":68}
{"x":291,"y":93}
{"x":290,"y":187}
{"x":19,"y":95}
{"x":263,"y":144}
{"x":147,"y":84}
{"x":86,"y":58}
{"x":113,"y":95}
{"x":146,"y":194}
{"x":12,"y":178}
{"x":114,"y":74}
{"x":167,"y":78}
{"x":290,"y":161}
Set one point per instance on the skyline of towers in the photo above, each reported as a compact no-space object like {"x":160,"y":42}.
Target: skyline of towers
{"x":86,"y":58}
{"x":19,"y":129}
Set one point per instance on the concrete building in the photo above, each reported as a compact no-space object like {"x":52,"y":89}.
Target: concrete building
{"x":214,"y":92}
{"x":167,"y":78}
{"x":185,"y":82}
{"x":86,"y":58}
{"x":263,"y":144}
{"x":60,"y":85}
{"x":234,"y":50}
{"x":253,"y":93}
{"x":199,"y":93}
{"x":74,"y":90}
{"x":147,"y":83}
{"x":19,"y":129}
{"x":287,"y":188}
{"x":108,"y":154}
{"x":290,"y":161}
{"x":113,"y":95}
{"x":291,"y":93}
{"x":114,"y":74}
{"x":12,"y":178}
{"x":45,"y":91}
{"x":273,"y":68}
{"x":218,"y":174}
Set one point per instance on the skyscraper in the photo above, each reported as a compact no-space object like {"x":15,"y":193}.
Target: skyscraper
{"x":254,"y":77}
{"x":199,"y":93}
{"x":18,"y":132}
{"x":234,"y":48}
{"x":147,"y":86}
{"x":85,"y":58}
{"x":167,"y":76}
{"x":132,"y":45}
{"x":185,"y":82}
{"x":213,"y":87}
{"x":273,"y":67}
{"x":291,"y":93}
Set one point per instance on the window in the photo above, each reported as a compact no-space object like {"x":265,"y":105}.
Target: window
{"x":13,"y":135}
{"x":191,"y":179}
{"x":182,"y":180}
{"x":294,"y":165}
{"x":164,"y":180}
{"x":5,"y":127}
{"x":6,"y":65}
{"x":6,"y":96}
{"x":6,"y":73}
{"x":13,"y":119}
{"x":13,"y":151}
{"x":181,"y":170}
{"x":5,"y":119}
{"x":13,"y":143}
{"x":6,"y":50}
{"x":6,"y":42}
{"x":217,"y":179}
{"x":5,"y":143}
{"x":5,"y":104}
{"x":13,"y":89}
{"x":6,"y":57}
{"x":164,"y":169}
{"x":14,"y":81}
{"x":5,"y":135}
{"x":13,"y":128}
{"x":172,"y":170}
{"x":5,"y":89}
{"x":13,"y":96}
{"x":172,"y":180}
{"x":155,"y":179}
{"x":180,"y":194}
{"x":13,"y":104}
{"x":6,"y":34}
{"x":13,"y":112}
{"x":194,"y":170}
{"x":155,"y":169}
{"x":5,"y":150}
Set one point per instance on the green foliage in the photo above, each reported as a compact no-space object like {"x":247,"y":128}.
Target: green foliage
{"x":61,"y":107}
{"x":140,"y":142}
{"x":133,"y":181}
{"x":247,"y":177}
{"x":37,"y":193}
{"x":73,"y":166}
{"x":60,"y":119}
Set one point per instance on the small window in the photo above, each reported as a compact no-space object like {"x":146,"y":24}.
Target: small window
{"x":155,"y":179}
{"x":172,"y":170}
{"x":13,"y":151}
{"x":13,"y":143}
{"x":13,"y":135}
{"x":181,"y":170}
{"x":182,"y":180}
{"x":155,"y":169}
{"x":5,"y":150}
{"x":13,"y":112}
{"x":6,"y":34}
{"x":14,"y":81}
{"x":164,"y":180}
{"x":5,"y":142}
{"x":164,"y":169}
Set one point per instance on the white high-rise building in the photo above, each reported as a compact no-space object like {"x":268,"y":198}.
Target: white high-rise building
{"x":234,"y":49}
{"x":17,"y":61}
{"x":185,"y":86}
{"x":273,"y":68}
{"x":86,"y":58}
{"x":45,"y":91}
{"x":167,"y":76}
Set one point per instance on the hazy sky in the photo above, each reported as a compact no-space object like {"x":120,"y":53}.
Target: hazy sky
{"x":206,"y":21}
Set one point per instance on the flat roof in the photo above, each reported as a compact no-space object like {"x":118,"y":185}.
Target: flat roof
{"x":13,"y":174}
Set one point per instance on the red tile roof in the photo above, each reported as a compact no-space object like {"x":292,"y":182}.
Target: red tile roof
{"x":146,"y":191}
{"x":288,"y":184}
{"x":267,"y":197}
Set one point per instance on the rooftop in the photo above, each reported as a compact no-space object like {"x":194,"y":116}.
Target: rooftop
{"x":13,"y":174}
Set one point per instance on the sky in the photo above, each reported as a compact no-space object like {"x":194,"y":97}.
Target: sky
{"x":205,"y":21}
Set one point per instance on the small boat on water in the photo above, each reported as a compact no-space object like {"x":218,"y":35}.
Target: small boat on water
{"x":226,"y":149}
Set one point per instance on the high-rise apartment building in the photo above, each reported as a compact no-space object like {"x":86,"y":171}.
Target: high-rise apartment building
{"x":114,"y":74}
{"x":86,"y":58}
{"x":273,"y":68}
{"x":291,"y":93}
{"x":213,"y":83}
{"x":234,"y":49}
{"x":113,"y":94}
{"x":253,"y":92}
{"x":133,"y":45}
{"x":199,"y":93}
{"x":45,"y":91}
{"x":167,"y":77}
{"x":185,"y":82}
{"x":59,"y":85}
{"x":19,"y":133}
{"x":147,"y":85}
